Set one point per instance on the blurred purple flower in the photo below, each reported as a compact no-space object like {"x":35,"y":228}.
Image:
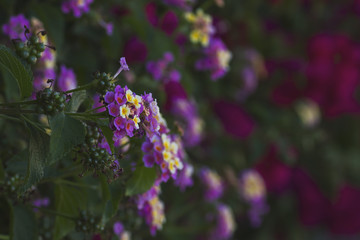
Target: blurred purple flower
{"x":216,"y":60}
{"x":225,"y":225}
{"x":78,"y":7}
{"x":184,"y":179}
{"x":67,"y":79}
{"x":214,"y":186}
{"x":15,"y":27}
{"x":118,"y":228}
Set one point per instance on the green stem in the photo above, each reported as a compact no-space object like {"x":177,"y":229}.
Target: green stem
{"x":100,"y":115}
{"x":10,"y":118}
{"x":19,"y":103}
{"x":93,"y":109}
{"x":49,"y":211}
{"x":84,"y":87}
{"x":17,"y":111}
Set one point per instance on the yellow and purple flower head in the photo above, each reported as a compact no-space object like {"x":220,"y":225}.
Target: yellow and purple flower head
{"x":214,"y":186}
{"x":253,"y":190}
{"x":202,"y":28}
{"x":151,"y":208}
{"x":216,"y":59}
{"x":225,"y":225}
{"x":166,"y":151}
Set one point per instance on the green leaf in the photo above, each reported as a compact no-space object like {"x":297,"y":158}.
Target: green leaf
{"x":108,"y":133}
{"x":68,"y":201}
{"x":20,"y":71}
{"x":141,"y":181}
{"x":76,"y":99}
{"x":38,"y":153}
{"x":23,"y":223}
{"x":66,"y":133}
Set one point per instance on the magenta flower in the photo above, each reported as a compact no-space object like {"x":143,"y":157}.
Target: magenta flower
{"x":169,"y":23}
{"x":345,"y":213}
{"x":15,"y":28}
{"x":234,"y":119}
{"x":135,"y":50}
{"x":333,"y":74}
{"x":78,"y":7}
{"x":314,"y":207}
{"x":67,"y":79}
{"x":276,"y":174}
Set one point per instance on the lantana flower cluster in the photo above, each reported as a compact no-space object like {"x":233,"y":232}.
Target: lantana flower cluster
{"x":216,"y":60}
{"x":161,"y":69}
{"x":214,"y":185}
{"x":225,"y":225}
{"x":167,"y":152}
{"x":202,"y":28}
{"x":151,"y":208}
{"x":253,"y":190}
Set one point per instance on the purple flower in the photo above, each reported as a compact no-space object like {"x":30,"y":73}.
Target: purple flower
{"x":161,"y":70}
{"x":216,"y":59}
{"x":109,"y":27}
{"x":113,"y":109}
{"x":225,"y":225}
{"x":41,"y":77}
{"x":109,"y":97}
{"x":187,"y":113}
{"x":98,"y":103}
{"x":129,"y":126}
{"x":77,"y":6}
{"x":184,"y":179}
{"x":119,"y":123}
{"x":252,"y":189}
{"x":149,"y":160}
{"x":151,"y":208}
{"x":15,"y":28}
{"x":118,"y":228}
{"x":214,"y":185}
{"x":123,"y":66}
{"x":67,"y":79}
